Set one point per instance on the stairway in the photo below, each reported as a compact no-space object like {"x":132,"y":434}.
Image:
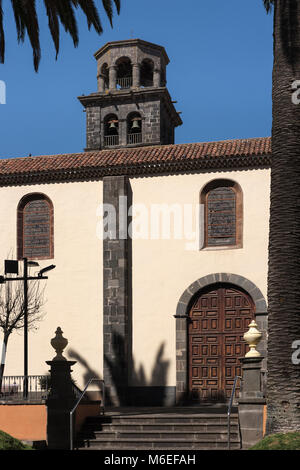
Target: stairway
{"x":160,"y":429}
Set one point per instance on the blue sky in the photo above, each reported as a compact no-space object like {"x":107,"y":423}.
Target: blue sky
{"x":220,"y":73}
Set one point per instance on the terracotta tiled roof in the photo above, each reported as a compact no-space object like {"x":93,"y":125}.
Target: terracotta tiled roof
{"x":134,"y":161}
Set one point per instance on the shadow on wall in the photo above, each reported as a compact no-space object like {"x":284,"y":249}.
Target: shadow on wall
{"x":143,"y":392}
{"x":89,"y":373}
{"x":94,"y":391}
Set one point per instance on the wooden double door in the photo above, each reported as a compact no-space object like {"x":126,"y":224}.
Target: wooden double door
{"x":218,"y":319}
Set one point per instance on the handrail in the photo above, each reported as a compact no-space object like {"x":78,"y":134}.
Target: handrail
{"x":79,"y":400}
{"x":229,"y":408}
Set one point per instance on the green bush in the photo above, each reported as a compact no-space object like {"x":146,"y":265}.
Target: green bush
{"x":287,"y":441}
{"x":8,"y":442}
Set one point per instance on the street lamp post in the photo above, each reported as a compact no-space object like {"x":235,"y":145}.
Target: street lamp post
{"x":11,"y":268}
{"x":26,"y":263}
{"x":25,"y":275}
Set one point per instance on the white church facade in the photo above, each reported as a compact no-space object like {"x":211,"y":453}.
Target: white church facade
{"x":161,"y":250}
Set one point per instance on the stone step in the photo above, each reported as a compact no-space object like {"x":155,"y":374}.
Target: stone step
{"x":161,"y":419}
{"x":140,"y":427}
{"x":190,"y":436}
{"x":159,"y":431}
{"x":161,"y":444}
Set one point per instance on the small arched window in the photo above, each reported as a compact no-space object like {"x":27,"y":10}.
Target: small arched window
{"x":223,"y":214}
{"x":35,"y":230}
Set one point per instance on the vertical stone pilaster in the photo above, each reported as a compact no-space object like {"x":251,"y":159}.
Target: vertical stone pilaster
{"x":117,"y":293}
{"x":135,"y":75}
{"x":123,"y":132}
{"x":156,"y":77}
{"x":181,"y":359}
{"x":112,"y":77}
{"x":93,"y":128}
{"x":101,"y":83}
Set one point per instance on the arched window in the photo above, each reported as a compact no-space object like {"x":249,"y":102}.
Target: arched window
{"x":223,"y":214}
{"x":124,"y":72}
{"x":134,"y":128}
{"x":111,"y":130}
{"x":35,"y":229}
{"x":147,"y":68}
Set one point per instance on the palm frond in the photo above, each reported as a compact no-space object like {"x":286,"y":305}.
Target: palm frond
{"x":118,"y":5}
{"x":53,"y":23}
{"x":33,"y":30}
{"x":66,"y":15}
{"x":26,"y":20}
{"x":107,"y":5}
{"x":59,"y":12}
{"x":18,"y":10}
{"x":268,"y":5}
{"x":89,"y":9}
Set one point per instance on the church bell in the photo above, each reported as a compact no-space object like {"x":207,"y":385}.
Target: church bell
{"x":135,"y":125}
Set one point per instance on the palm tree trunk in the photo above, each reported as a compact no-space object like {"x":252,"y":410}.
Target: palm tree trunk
{"x":283,"y":396}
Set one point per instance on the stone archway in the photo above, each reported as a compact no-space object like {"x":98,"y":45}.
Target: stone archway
{"x":182,"y":317}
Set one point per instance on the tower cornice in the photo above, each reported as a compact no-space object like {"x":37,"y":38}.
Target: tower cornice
{"x":131,"y":43}
{"x":135,"y":95}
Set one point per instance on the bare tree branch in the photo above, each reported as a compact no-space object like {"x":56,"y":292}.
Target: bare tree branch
{"x":12,"y":305}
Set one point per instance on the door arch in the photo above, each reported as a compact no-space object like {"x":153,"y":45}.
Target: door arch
{"x":182,"y":318}
{"x":218,"y":318}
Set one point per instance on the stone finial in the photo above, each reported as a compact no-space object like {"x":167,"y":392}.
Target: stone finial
{"x":253,"y":337}
{"x":59,"y":343}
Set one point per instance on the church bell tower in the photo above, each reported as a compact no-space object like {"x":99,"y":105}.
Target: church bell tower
{"x":132,"y":106}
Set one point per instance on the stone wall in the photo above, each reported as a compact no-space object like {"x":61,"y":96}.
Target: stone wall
{"x":26,"y":422}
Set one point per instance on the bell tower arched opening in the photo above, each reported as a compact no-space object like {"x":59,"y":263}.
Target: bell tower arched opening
{"x":124,"y":73}
{"x":146,"y":73}
{"x":134,"y":129}
{"x":111,"y":130}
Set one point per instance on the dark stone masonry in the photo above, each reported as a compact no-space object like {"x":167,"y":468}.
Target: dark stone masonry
{"x":117,"y":294}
